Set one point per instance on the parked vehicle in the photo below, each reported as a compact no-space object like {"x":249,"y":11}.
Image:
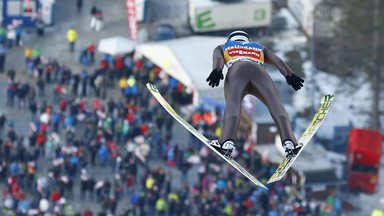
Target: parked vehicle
{"x":165,"y":32}
{"x":364,"y":154}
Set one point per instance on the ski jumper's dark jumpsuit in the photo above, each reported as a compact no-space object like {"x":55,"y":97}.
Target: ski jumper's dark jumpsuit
{"x":247,"y":75}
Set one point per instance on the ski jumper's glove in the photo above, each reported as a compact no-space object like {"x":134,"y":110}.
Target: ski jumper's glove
{"x":215,"y":77}
{"x":295,"y":81}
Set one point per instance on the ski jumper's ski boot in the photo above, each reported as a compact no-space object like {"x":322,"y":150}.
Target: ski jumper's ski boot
{"x":290,"y":148}
{"x":225,"y":149}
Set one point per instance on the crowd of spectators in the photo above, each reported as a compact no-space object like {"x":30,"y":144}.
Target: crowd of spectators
{"x":81,"y":130}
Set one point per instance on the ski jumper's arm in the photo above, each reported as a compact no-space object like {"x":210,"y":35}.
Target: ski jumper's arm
{"x":218,"y":58}
{"x":271,"y":58}
{"x":218,"y":63}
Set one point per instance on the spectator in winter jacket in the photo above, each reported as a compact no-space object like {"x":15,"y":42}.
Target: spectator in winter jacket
{"x":84,"y":77}
{"x":11,"y":92}
{"x":3,"y":54}
{"x":79,"y":5}
{"x":3,"y":119}
{"x":88,"y":212}
{"x":91,"y":52}
{"x":11,"y":35}
{"x":19,"y":32}
{"x":103,"y":155}
{"x":33,"y":110}
{"x":71,"y":37}
{"x":37,"y":53}
{"x":119,"y":62}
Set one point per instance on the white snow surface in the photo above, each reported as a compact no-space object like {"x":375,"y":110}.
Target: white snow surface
{"x":287,"y":15}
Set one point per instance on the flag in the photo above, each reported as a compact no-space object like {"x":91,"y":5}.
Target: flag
{"x":132,"y":20}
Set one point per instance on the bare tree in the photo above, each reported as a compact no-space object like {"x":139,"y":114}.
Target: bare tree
{"x":355,"y":47}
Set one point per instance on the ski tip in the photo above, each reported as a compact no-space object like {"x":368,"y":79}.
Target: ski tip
{"x":151,"y":87}
{"x":276,"y":177}
{"x":327,"y":98}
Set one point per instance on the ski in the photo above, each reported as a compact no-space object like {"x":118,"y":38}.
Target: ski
{"x":153,"y":89}
{"x":319,"y":117}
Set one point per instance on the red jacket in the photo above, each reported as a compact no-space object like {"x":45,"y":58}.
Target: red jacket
{"x":55,"y":196}
{"x":41,"y":139}
{"x":91,"y":48}
{"x":144,"y":129}
{"x":88,"y":213}
{"x":103,"y":64}
{"x":130,"y":117}
{"x":63,"y":105}
{"x":119,"y":63}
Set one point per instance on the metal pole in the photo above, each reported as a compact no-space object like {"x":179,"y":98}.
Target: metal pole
{"x":313,"y":69}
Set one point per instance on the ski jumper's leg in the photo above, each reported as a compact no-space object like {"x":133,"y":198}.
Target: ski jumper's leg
{"x":235,"y":88}
{"x":263,"y":87}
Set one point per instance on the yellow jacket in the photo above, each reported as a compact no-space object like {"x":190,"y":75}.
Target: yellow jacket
{"x":377,"y":212}
{"x":28,"y":52}
{"x":149,"y":183}
{"x":122,"y":83}
{"x":71,"y":35}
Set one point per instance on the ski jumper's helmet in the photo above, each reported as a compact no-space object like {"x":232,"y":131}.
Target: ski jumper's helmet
{"x":239,"y":36}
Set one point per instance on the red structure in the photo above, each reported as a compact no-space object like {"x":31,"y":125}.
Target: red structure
{"x":364,"y":154}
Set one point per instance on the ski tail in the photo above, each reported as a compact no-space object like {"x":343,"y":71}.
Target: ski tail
{"x":153,"y":89}
{"x":317,"y":120}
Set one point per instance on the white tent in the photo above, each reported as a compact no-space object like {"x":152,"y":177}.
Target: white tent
{"x":189,"y":60}
{"x":116,"y":45}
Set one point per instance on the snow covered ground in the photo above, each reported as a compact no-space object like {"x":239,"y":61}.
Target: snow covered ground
{"x":349,"y":106}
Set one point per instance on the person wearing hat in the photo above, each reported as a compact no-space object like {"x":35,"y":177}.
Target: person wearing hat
{"x":247,"y":75}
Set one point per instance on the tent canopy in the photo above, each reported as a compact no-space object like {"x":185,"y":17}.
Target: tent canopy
{"x":116,"y":45}
{"x":188,"y":60}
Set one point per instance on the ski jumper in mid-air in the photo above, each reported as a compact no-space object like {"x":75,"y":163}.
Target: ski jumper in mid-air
{"x":246,"y":75}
